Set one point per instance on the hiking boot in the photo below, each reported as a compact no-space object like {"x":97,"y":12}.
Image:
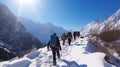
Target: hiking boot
{"x":54,"y":63}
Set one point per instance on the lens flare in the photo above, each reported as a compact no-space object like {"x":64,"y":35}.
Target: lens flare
{"x":29,"y":7}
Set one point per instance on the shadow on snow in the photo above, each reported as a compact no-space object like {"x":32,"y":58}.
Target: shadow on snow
{"x":73,"y":64}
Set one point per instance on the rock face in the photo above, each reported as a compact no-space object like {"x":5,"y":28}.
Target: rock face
{"x":5,"y":54}
{"x":13,"y":34}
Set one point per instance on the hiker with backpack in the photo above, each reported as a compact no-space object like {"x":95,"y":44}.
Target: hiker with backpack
{"x":74,"y":34}
{"x":54,"y":44}
{"x":63,"y":38}
{"x":69,"y":36}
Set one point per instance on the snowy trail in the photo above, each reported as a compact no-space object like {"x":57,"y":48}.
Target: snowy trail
{"x":74,"y":55}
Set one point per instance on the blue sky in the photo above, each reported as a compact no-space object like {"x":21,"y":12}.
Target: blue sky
{"x":69,"y":14}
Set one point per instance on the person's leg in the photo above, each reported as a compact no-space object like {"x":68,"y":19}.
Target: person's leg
{"x":54,"y":57}
{"x":58,"y":54}
{"x":64,"y":42}
{"x":69,"y":40}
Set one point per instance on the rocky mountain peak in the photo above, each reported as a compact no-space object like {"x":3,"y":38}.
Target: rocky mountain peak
{"x":4,"y":11}
{"x":14,"y":35}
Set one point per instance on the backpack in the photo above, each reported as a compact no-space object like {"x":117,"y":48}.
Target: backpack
{"x":53,"y":40}
{"x":69,"y":35}
{"x":63,"y":36}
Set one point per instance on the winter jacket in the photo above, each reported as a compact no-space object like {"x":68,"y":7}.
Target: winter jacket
{"x":63,"y":37}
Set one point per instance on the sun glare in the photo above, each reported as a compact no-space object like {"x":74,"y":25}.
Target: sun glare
{"x":27,"y":6}
{"x":27,"y":2}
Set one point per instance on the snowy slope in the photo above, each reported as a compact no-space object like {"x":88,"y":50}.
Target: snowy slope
{"x":94,"y":28}
{"x":41,"y":31}
{"x":113,"y":22}
{"x":71,"y":56}
{"x":89,"y":29}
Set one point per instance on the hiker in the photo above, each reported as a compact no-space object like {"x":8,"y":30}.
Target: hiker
{"x":78,"y":34}
{"x":74,"y":34}
{"x":54,"y":44}
{"x":69,"y":36}
{"x":63,"y":38}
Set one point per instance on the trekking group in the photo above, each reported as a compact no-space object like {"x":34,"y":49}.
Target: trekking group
{"x":54,"y":43}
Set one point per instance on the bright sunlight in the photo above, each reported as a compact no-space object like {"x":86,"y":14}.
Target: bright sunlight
{"x":27,"y":2}
{"x":27,"y":6}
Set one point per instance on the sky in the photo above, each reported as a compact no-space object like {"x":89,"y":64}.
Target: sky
{"x":69,"y":14}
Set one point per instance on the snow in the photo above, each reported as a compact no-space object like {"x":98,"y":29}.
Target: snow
{"x":75,"y":55}
{"x":33,"y":54}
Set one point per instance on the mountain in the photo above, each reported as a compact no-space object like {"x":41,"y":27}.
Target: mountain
{"x":113,"y":22}
{"x":41,"y":31}
{"x":89,"y":29}
{"x":13,"y":34}
{"x":105,"y":36}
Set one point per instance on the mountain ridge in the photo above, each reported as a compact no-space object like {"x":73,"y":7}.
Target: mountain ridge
{"x":41,"y":30}
{"x":113,"y":22}
{"x":13,"y":34}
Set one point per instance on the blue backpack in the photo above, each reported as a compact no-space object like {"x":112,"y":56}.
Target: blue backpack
{"x":53,"y":40}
